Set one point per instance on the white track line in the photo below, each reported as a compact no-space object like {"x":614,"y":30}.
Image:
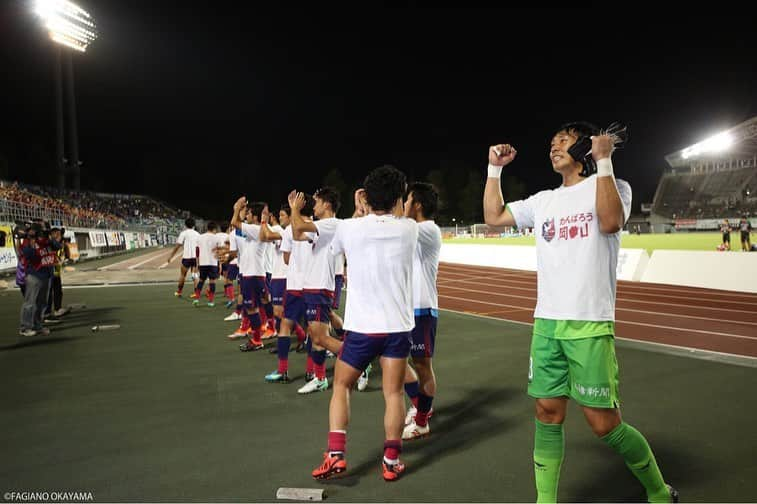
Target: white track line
{"x":152,"y":256}
{"x":105,"y":268}
{"x":617,"y":321}
{"x":172,"y":260}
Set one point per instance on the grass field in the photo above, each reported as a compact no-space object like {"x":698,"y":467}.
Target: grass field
{"x":166,"y":409}
{"x":673,"y":241}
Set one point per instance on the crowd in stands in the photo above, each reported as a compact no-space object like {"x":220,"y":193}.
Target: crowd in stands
{"x":91,"y":209}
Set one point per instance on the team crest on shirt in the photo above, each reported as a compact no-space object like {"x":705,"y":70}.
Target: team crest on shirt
{"x":548,"y":229}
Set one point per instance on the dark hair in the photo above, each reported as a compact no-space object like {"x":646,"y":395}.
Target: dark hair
{"x":580,"y":128}
{"x":330,"y":196}
{"x":212,"y":226}
{"x":256,"y":207}
{"x":286,"y":209}
{"x":307,"y":210}
{"x":383,"y":187}
{"x":579,"y":151}
{"x":425,"y":194}
{"x":224,"y":227}
{"x":190,"y":223}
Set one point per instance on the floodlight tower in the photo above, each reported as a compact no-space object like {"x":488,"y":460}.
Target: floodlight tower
{"x":73,"y":28}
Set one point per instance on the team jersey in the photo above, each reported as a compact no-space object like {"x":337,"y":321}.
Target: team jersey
{"x":339,"y":264}
{"x":252,"y":259}
{"x":236,"y":244}
{"x":188,"y":238}
{"x":576,"y":263}
{"x":321,"y":274}
{"x":207,"y":242}
{"x":426,"y":266}
{"x":745,"y":226}
{"x":279,"y":266}
{"x":379,"y":250}
{"x":268,"y":256}
{"x":300,"y":257}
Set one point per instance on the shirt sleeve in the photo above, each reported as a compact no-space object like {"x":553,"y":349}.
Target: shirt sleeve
{"x":233,"y":242}
{"x":325,"y":230}
{"x":337,"y":243}
{"x":251,"y":231}
{"x":180,"y":239}
{"x":524,"y":211}
{"x":625,"y":193}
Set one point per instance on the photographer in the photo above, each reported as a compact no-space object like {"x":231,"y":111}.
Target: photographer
{"x":38,"y":250}
{"x":55,"y":298}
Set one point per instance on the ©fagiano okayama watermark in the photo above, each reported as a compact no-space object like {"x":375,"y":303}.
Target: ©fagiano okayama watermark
{"x":48,"y":496}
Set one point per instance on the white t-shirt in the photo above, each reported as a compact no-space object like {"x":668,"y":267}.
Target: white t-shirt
{"x":576,"y":263}
{"x":322,"y":267}
{"x":236,"y":243}
{"x":426,"y":266}
{"x":379,"y":250}
{"x":207,"y":242}
{"x":252,"y":259}
{"x":188,"y":238}
{"x":279,"y":266}
{"x":300,"y":257}
{"x":339,"y":264}
{"x":268,"y":256}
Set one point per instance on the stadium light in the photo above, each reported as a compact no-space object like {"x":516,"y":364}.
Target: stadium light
{"x":717,"y":143}
{"x":67,"y":23}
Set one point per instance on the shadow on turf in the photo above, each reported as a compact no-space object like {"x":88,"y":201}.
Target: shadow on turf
{"x":613,"y":482}
{"x":471,"y":420}
{"x":74,"y":320}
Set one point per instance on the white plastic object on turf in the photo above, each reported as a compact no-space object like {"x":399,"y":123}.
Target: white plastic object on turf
{"x":105,"y":327}
{"x":301,"y":494}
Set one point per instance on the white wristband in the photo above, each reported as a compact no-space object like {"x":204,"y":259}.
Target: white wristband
{"x":604,"y":168}
{"x":495,"y":171}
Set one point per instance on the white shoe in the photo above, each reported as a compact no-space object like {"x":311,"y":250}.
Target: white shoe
{"x":362,"y":381}
{"x":414,"y":431}
{"x":412,"y":411}
{"x":234,"y":316}
{"x":314,"y":385}
{"x":61,"y":312}
{"x":27,"y":333}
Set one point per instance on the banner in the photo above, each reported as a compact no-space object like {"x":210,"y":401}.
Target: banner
{"x":7,"y":258}
{"x":73,"y":251}
{"x":97,"y":239}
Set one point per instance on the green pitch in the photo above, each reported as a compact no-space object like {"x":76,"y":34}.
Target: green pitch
{"x":673,"y":241}
{"x":167,"y":409}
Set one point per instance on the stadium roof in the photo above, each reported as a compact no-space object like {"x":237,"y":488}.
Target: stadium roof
{"x":738,"y":142}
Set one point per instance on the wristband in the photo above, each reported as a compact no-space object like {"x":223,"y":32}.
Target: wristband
{"x":604,"y":168}
{"x":495,"y":171}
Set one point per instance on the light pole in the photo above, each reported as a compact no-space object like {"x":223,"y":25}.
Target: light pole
{"x":455,"y":221}
{"x":71,"y":26}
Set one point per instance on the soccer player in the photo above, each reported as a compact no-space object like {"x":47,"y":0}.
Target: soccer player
{"x":318,"y":287}
{"x":572,"y":348}
{"x":188,"y":241}
{"x":746,"y":230}
{"x":379,"y":249}
{"x":224,"y":262}
{"x":725,"y":228}
{"x":252,"y":268}
{"x":298,"y":255}
{"x":208,"y":244}
{"x":420,"y":382}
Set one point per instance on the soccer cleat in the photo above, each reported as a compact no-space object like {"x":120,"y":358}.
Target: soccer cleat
{"x":27,"y":333}
{"x":194,"y":296}
{"x":392,"y":472}
{"x":239,"y":333}
{"x":309,"y":376}
{"x":177,"y":293}
{"x":211,"y":304}
{"x":196,"y":302}
{"x":61,"y":312}
{"x":268,"y":333}
{"x":233,"y":316}
{"x":251,"y":347}
{"x":415,"y":431}
{"x":277,"y":377}
{"x":410,"y":417}
{"x":314,"y":385}
{"x":362,"y":381}
{"x":331,"y":466}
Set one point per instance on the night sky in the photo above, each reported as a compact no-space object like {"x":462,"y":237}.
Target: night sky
{"x":197,"y":105}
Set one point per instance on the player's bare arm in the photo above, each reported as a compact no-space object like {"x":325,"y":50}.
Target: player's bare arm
{"x":300,"y":226}
{"x":236,"y":217}
{"x":609,"y":205}
{"x":495,"y":212}
{"x":266,"y":235}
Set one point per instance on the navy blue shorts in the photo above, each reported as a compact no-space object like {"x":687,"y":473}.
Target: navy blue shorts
{"x":233,"y":272}
{"x":189,"y":263}
{"x":253,"y":290}
{"x":268,"y":281}
{"x":423,"y":336}
{"x":208,"y":272}
{"x":338,"y":284}
{"x":278,"y":287}
{"x":360,"y":349}
{"x":224,"y":268}
{"x":318,"y":305}
{"x":294,"y":306}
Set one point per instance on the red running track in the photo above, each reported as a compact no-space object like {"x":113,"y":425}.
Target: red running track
{"x":687,"y":317}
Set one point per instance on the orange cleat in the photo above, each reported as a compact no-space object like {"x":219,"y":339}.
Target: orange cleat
{"x":392,"y":472}
{"x":331,"y":466}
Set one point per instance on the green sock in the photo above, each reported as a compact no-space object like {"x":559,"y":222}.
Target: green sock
{"x":549,"y":447}
{"x":638,"y":456}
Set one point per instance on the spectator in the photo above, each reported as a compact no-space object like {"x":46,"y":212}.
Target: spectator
{"x":39,"y":252}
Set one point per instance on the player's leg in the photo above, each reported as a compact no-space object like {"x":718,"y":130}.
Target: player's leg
{"x":423,"y":339}
{"x":293,"y":308}
{"x":182,"y":276}
{"x":393,"y":363}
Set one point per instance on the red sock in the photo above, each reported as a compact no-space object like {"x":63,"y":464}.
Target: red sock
{"x":310,"y":366}
{"x":392,"y":449}
{"x":299,"y":332}
{"x":414,"y":400}
{"x":283,"y":365}
{"x":263,"y":317}
{"x":337,"y":441}
{"x":256,"y":339}
{"x":245,"y":323}
{"x":320,"y":371}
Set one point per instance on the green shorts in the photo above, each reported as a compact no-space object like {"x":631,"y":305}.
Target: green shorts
{"x":584,"y":369}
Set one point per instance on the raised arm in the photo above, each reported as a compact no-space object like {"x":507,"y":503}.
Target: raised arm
{"x":609,"y":206}
{"x":236,"y":217}
{"x":266,"y":234}
{"x":495,"y":212}
{"x":299,"y":225}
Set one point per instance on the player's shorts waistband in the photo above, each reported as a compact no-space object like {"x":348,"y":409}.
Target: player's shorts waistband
{"x":420,"y":312}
